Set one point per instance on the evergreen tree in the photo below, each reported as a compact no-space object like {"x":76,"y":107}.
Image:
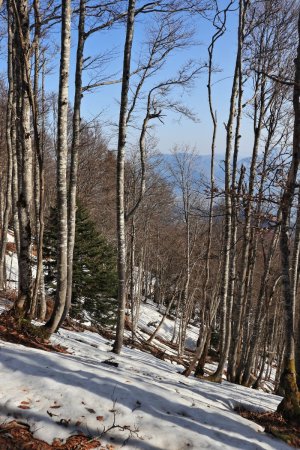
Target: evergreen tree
{"x":94,"y":269}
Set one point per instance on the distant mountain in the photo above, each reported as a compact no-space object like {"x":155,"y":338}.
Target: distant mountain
{"x":201,"y":166}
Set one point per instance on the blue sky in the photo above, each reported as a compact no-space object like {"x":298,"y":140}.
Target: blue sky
{"x":175,"y":131}
{"x":104,"y":100}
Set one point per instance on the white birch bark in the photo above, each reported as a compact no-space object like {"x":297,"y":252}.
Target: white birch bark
{"x":62,"y":156}
{"x":121,"y":232}
{"x":9,"y":144}
{"x":290,"y":405}
{"x":24,"y":152}
{"x":74,"y":157}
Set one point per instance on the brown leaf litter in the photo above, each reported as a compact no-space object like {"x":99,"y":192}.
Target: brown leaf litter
{"x":274,"y":424}
{"x":16,"y":435}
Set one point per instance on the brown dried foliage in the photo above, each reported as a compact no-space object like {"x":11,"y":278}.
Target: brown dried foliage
{"x":274,"y":424}
{"x":17,"y":436}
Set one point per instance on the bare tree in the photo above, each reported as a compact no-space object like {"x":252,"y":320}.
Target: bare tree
{"x":62,"y":156}
{"x":225,"y":293}
{"x":120,"y":179}
{"x":10,"y":144}
{"x":219,"y":23}
{"x":290,"y":405}
{"x":24,"y":150}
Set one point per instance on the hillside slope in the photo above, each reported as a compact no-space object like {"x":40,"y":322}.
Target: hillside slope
{"x":148,"y":404}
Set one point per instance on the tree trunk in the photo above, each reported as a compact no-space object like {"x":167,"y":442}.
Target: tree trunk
{"x":294,"y":283}
{"x":39,"y":167}
{"x":62,"y":156}
{"x":24,"y":152}
{"x":74,"y":156}
{"x":121,"y":232}
{"x":9,"y":143}
{"x":290,"y":405}
{"x":226,"y":288}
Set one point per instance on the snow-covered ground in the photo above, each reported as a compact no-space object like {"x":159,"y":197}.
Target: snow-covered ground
{"x":151,"y":403}
{"x":11,"y":261}
{"x":150,"y":315}
{"x":12,"y":270}
{"x":143,"y":403}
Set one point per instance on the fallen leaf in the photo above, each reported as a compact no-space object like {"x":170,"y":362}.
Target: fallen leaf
{"x":23,"y":407}
{"x":55,"y":406}
{"x":100,"y":418}
{"x":51,"y":414}
{"x":91,"y":410}
{"x":64,"y":422}
{"x":110,"y":363}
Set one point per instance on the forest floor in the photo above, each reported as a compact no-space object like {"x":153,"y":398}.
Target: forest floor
{"x":78,"y":395}
{"x":275,"y":424}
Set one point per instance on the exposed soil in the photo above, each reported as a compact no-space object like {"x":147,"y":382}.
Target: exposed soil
{"x":17,"y":436}
{"x":274,"y":424}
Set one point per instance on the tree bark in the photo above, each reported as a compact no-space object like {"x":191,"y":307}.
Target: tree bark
{"x":24,"y":152}
{"x":39,"y":168}
{"x":121,"y":232}
{"x":226,"y":288}
{"x":74,"y":156}
{"x":9,"y":144}
{"x":290,"y":405}
{"x":62,"y":156}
